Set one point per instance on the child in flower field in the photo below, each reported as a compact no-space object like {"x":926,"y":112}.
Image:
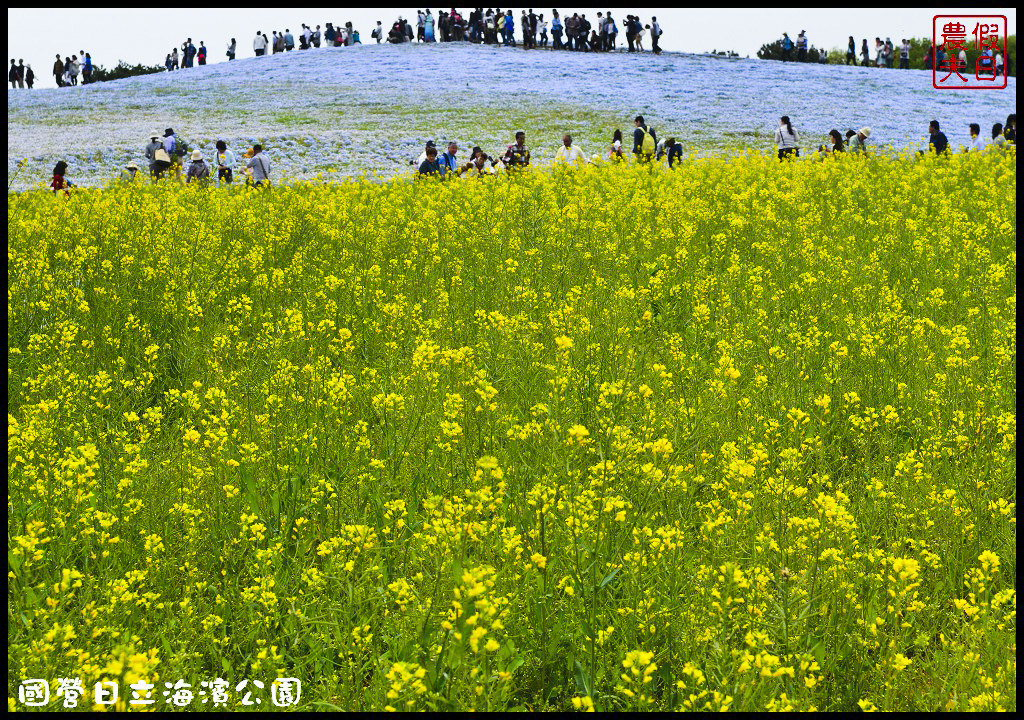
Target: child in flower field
{"x":59,"y":182}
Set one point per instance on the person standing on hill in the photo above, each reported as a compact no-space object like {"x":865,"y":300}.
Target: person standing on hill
{"x":12,"y":75}
{"x":787,"y":139}
{"x":225,"y":160}
{"x":851,"y":51}
{"x":202,"y":53}
{"x":289,"y":40}
{"x":231,"y":50}
{"x":30,"y":77}
{"x":150,"y":152}
{"x":259,"y":44}
{"x":421,"y":23}
{"x":556,"y":31}
{"x":174,"y":57}
{"x":977,"y":143}
{"x":543,"y":31}
{"x":260,"y":166}
{"x":865,"y":57}
{"x":787,"y":48}
{"x":905,"y":55}
{"x":655,"y":36}
{"x":517,"y":155}
{"x":58,"y":71}
{"x":801,"y":46}
{"x":570,"y":154}
{"x":645,"y":142}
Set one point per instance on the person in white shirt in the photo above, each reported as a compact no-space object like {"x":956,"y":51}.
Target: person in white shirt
{"x":421,"y":22}
{"x":423,"y":155}
{"x":259,"y":44}
{"x":569,"y":153}
{"x":786,"y":139}
{"x":977,"y":144}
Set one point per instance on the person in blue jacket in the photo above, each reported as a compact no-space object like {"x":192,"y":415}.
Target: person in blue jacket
{"x":787,"y":47}
{"x":510,"y":29}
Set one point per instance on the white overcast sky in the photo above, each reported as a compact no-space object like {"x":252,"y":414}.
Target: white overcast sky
{"x":147,"y":35}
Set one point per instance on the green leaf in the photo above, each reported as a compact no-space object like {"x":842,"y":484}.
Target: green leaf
{"x":582,"y":680}
{"x":608,"y":578}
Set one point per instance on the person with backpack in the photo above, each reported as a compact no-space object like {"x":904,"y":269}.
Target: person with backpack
{"x":60,"y":182}
{"x":449,"y":164}
{"x":198,"y":170}
{"x":787,"y":48}
{"x":786,"y":139}
{"x":645,"y":142}
{"x":225,"y":160}
{"x":655,"y":36}
{"x":176,"y":149}
{"x":202,"y":53}
{"x":260,"y":166}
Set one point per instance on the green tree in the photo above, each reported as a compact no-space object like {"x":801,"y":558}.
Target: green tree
{"x":123,"y":70}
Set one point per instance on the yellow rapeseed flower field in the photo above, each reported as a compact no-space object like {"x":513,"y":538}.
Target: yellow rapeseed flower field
{"x":740,"y":435}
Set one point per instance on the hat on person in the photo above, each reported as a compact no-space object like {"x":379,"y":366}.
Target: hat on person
{"x":196,"y":155}
{"x":866,"y":132}
{"x":430,"y":143}
{"x":131,"y":166}
{"x":168,"y":132}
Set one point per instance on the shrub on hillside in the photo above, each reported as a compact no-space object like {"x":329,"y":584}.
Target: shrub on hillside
{"x":123,"y":70}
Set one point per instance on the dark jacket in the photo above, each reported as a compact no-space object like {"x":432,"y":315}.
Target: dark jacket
{"x":674,"y":153}
{"x":638,"y":139}
{"x":939,"y":142}
{"x":430,"y":167}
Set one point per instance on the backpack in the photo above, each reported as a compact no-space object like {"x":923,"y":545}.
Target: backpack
{"x":181,"y":148}
{"x":647,"y":147}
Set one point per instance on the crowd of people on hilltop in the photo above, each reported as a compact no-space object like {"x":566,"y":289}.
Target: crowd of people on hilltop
{"x":498,"y":27}
{"x":190,"y":56}
{"x":166,"y":154}
{"x":66,"y":71}
{"x":787,"y":139}
{"x":990,"y":61}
